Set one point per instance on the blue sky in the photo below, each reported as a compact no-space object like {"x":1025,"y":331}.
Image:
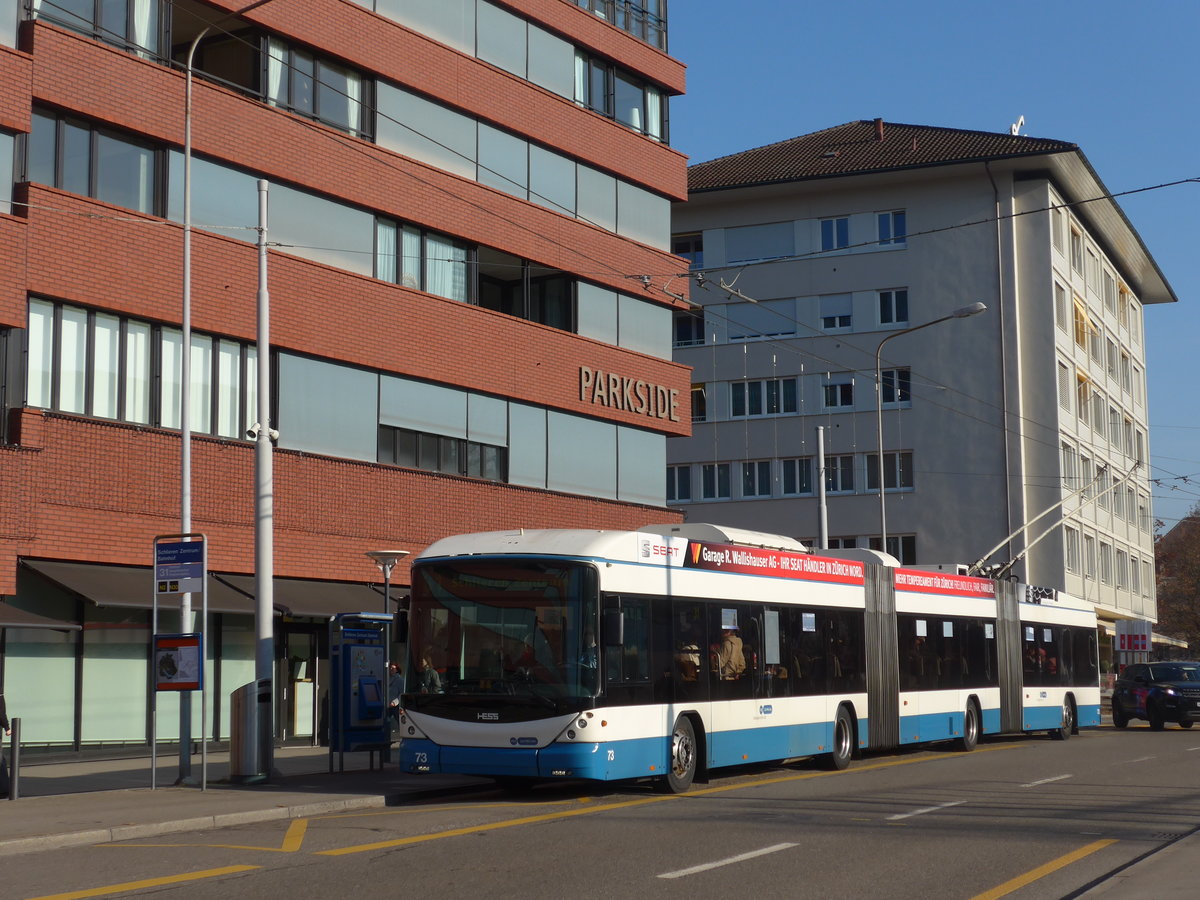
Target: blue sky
{"x":1118,"y":79}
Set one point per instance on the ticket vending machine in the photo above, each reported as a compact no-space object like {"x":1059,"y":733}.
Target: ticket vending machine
{"x":358,"y":647}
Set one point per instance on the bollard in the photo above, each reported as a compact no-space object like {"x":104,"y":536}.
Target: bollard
{"x":14,"y":761}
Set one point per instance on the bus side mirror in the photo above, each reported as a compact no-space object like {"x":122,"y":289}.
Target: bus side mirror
{"x":613,"y":625}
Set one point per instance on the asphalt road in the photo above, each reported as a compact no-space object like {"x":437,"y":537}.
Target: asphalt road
{"x":1019,"y":817}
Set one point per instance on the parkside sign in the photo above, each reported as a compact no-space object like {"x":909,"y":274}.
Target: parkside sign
{"x":628,"y":394}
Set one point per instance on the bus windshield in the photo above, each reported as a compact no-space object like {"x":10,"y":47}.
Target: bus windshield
{"x":522,"y":628}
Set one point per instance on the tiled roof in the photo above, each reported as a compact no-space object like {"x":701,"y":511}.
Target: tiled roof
{"x":860,"y":147}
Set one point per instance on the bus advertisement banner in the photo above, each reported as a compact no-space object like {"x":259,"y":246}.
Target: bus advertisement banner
{"x":918,"y":581}
{"x":775,"y":563}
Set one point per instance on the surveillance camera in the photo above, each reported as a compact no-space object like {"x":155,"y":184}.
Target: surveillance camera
{"x":273,"y":435}
{"x":253,"y":430}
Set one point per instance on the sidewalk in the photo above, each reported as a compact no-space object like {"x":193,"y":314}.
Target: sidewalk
{"x":69,"y":804}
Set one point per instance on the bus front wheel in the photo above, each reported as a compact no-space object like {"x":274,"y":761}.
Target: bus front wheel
{"x":970,"y":732}
{"x":1067,"y":727}
{"x":843,"y":741}
{"x":682,"y":766}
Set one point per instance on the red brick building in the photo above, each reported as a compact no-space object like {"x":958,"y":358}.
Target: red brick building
{"x":470,"y":296}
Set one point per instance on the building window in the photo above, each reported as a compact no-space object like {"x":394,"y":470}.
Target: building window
{"x":616,"y":94}
{"x":438,"y":453}
{"x":797,"y":476}
{"x":714,"y":481}
{"x":1089,"y":556}
{"x":1083,"y":391}
{"x":1135,"y":576}
{"x":1060,"y":306}
{"x":1099,"y":405}
{"x":767,"y":397}
{"x":679,"y":483}
{"x":901,"y":546}
{"x":1058,"y":225}
{"x":1110,"y":292}
{"x":133,"y":24}
{"x":1126,"y":373}
{"x":756,"y":478}
{"x":1070,"y":468}
{"x":111,"y":367}
{"x":1083,"y":324}
{"x":699,"y":403}
{"x":1071,"y":540}
{"x":836,"y":312}
{"x":1064,"y":386}
{"x":893,"y":228}
{"x":838,"y":392}
{"x":839,"y":474}
{"x":77,"y":156}
{"x":835,"y":233}
{"x":1076,"y":251}
{"x":1096,"y":345}
{"x":689,"y":329}
{"x":895,"y":386}
{"x":893,"y":307}
{"x":316,"y":88}
{"x":1106,"y":563}
{"x":646,"y":19}
{"x":897,"y":471}
{"x":1086,"y":476}
{"x":690,"y":247}
{"x":843,"y":543}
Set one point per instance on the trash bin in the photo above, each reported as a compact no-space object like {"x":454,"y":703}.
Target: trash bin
{"x":250,"y":710}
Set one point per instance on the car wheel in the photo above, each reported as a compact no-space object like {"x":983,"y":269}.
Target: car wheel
{"x":843,"y":741}
{"x":1186,"y":723}
{"x":970,"y":732}
{"x":1157,"y":722}
{"x":1120,"y":718}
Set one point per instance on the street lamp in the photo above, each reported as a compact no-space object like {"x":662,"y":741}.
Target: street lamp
{"x":386,"y":560}
{"x":963,"y":312}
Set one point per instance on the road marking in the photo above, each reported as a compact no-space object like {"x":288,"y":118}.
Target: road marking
{"x":148,"y":883}
{"x":1190,"y":749}
{"x":292,"y":841}
{"x":928,"y":809}
{"x":628,"y":804}
{"x":1141,"y":759}
{"x":741,"y":857}
{"x":1042,"y":871}
{"x":295,"y":836}
{"x":1047,"y":780}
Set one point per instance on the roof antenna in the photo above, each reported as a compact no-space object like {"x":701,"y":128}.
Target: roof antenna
{"x":1015,"y":128}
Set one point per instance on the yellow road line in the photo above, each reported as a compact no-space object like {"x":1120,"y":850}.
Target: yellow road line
{"x":148,"y":883}
{"x":292,"y":841}
{"x":1042,"y":871}
{"x":295,"y":836}
{"x":627,"y":804}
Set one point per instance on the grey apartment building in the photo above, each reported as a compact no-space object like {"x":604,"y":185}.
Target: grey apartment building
{"x":810,"y":255}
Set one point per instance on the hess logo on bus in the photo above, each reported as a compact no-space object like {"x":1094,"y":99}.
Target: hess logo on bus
{"x":652,"y":549}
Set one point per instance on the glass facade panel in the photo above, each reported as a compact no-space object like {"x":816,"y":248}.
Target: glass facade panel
{"x":328,"y":408}
{"x":450,"y":21}
{"x":114,"y":653}
{"x":170,"y":375}
{"x":201,"y":379}
{"x":229,"y":379}
{"x":106,"y":360}
{"x":42,"y":663}
{"x":222,"y":197}
{"x":750,"y":242}
{"x":38,"y":380}
{"x":7,"y":176}
{"x":597,"y":198}
{"x":445,"y":268}
{"x":75,"y":160}
{"x":644,"y":327}
{"x":40,"y":148}
{"x":643,"y":216}
{"x":10,"y":11}
{"x":445,"y":138}
{"x":527,"y":445}
{"x":552,"y":180}
{"x":551,"y":62}
{"x":321,"y":230}
{"x":596,"y":312}
{"x":641,"y":456}
{"x":582,"y":455}
{"x":503,"y":161}
{"x":500,"y":38}
{"x":487,"y":420}
{"x":422,"y":407}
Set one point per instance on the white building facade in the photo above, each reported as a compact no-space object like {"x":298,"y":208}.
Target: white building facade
{"x":813,"y":252}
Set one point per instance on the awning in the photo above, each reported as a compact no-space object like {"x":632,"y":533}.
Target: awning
{"x":318,"y":599}
{"x":11,"y":617}
{"x":130,"y":587}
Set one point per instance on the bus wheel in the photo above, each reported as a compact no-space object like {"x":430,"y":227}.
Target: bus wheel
{"x":1062,"y":732}
{"x":843,"y":741}
{"x":970,"y":732}
{"x":682,"y":768}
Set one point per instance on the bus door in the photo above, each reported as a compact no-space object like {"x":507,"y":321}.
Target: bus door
{"x":690,"y":656}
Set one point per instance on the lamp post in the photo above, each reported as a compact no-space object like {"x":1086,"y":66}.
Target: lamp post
{"x":963,"y":312}
{"x":386,"y":560}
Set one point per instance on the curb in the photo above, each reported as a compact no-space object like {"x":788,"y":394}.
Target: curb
{"x":18,"y":846}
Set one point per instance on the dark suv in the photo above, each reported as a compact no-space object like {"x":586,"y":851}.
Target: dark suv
{"x":1159,"y":692}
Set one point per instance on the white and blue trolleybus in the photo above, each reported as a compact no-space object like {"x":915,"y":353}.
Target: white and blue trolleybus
{"x":678,"y":649}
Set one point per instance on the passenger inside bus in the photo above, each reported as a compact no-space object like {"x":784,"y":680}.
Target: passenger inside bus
{"x":728,"y":660}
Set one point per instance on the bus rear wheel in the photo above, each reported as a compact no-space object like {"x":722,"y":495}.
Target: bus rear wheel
{"x":1064,"y":731}
{"x":843,"y":741}
{"x":681,"y":768}
{"x":970,"y":732}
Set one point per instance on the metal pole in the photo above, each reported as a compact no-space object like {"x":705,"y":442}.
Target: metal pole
{"x":264,"y":557}
{"x":822,"y":506}
{"x":14,"y":766}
